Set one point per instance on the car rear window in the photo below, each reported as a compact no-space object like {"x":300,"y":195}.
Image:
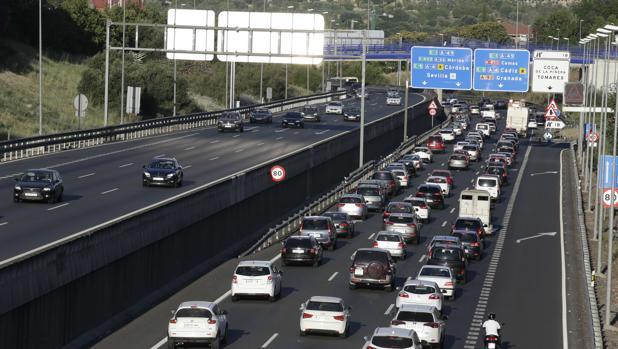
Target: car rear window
{"x":436,"y":180}
{"x":440,"y":272}
{"x":324,"y":306}
{"x":469,"y":147}
{"x":429,"y":189}
{"x":414,"y":316}
{"x":487,"y":182}
{"x":350,"y":200}
{"x":419,"y":289}
{"x":447,"y":254}
{"x":467,"y":224}
{"x":370,"y":256}
{"x":382,"y":175}
{"x":368,"y":191}
{"x":458,"y":157}
{"x":399,"y":208}
{"x":435,"y":139}
{"x":393,"y":342}
{"x":194,"y":312}
{"x":399,"y":173}
{"x":465,"y":237}
{"x":388,"y":237}
{"x":315,"y":224}
{"x":401,"y":219}
{"x":293,"y":242}
{"x":252,"y":271}
{"x":337,"y":216}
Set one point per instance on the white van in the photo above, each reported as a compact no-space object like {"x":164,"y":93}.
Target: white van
{"x":489,"y":183}
{"x":476,"y":203}
{"x":484,"y":128}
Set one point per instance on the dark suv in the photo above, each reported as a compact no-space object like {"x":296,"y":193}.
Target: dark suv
{"x":301,"y":249}
{"x":449,"y":256}
{"x":433,"y":194}
{"x":389,"y":178}
{"x":469,"y":224}
{"x":473,"y":245}
{"x":372,"y":266}
{"x":263,"y":115}
{"x":230,"y":121}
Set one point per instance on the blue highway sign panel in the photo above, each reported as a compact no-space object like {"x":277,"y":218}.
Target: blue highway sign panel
{"x":501,"y":70}
{"x":448,"y":68}
{"x":606,"y":173}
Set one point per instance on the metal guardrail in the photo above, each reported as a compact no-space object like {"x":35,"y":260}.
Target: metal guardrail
{"x":32,"y":146}
{"x":292,"y":224}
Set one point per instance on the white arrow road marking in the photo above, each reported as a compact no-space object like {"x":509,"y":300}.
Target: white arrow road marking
{"x":553,"y":233}
{"x":542,"y":173}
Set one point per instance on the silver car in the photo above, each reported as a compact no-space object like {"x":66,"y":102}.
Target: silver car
{"x":372,"y":193}
{"x":458,"y":161}
{"x":473,"y":151}
{"x":354,"y":205}
{"x":321,"y":228}
{"x":405,"y":224}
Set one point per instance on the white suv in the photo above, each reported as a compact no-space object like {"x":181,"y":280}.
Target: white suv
{"x":334,"y":108}
{"x":425,"y":320}
{"x":256,"y":278}
{"x":423,"y":292}
{"x":489,"y":183}
{"x":393,"y":338}
{"x":325,"y":315}
{"x":197,"y":323}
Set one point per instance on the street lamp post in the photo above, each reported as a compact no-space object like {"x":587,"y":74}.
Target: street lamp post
{"x":568,"y":42}
{"x":551,"y":42}
{"x":291,"y":7}
{"x":399,"y":61}
{"x":580,"y":28}
{"x":41,"y":68}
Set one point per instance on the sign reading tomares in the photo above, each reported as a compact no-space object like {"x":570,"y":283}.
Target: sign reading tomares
{"x":551,"y":71}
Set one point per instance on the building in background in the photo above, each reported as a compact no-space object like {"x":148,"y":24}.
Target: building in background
{"x":521,"y":34}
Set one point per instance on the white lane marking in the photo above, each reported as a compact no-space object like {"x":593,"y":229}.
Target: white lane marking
{"x":333,"y":276}
{"x":213,"y":159}
{"x":159,"y":343}
{"x":444,"y":224}
{"x":109,"y":191}
{"x":11,"y":175}
{"x":251,"y":128}
{"x":546,"y":172}
{"x":239,"y":150}
{"x":442,"y":164}
{"x":278,"y":138}
{"x":190,"y":148}
{"x":160,"y":156}
{"x":322,"y":132}
{"x":4,"y":223}
{"x":125,"y":165}
{"x":188,"y":166}
{"x":565,"y":337}
{"x":270,"y":340}
{"x":477,"y":172}
{"x":86,"y":175}
{"x":282,"y":130}
{"x":215,"y":141}
{"x":472,"y":180}
{"x":296,"y":132}
{"x":452,"y":210}
{"x":55,"y":207}
{"x":260,"y":144}
{"x":371,"y":236}
{"x":255,"y":130}
{"x":389,"y":309}
{"x":420,"y":260}
{"x":235,"y":136}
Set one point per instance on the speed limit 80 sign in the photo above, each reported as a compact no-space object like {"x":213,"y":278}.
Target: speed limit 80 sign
{"x":277,"y":173}
{"x":607,"y":197}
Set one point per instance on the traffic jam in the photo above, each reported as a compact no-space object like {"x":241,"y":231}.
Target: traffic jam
{"x":422,"y":228}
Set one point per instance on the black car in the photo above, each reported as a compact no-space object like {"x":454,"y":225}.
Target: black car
{"x":162,"y":171}
{"x":230,"y":121}
{"x":293,"y":119}
{"x":501,"y":104}
{"x":261,"y":115}
{"x":433,"y":194}
{"x":301,"y":249}
{"x":497,"y":171}
{"x":311,"y":113}
{"x":450,"y":256}
{"x":39,"y":185}
{"x":351,"y":114}
{"x":343,"y":223}
{"x":473,"y":246}
{"x":372,"y":266}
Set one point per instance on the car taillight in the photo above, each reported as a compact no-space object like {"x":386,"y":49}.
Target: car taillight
{"x":359,"y":205}
{"x":284,"y":250}
{"x":386,"y":214}
{"x":312,"y":251}
{"x":401,"y":245}
{"x":234,"y":279}
{"x":351,"y":270}
{"x":475,"y":244}
{"x":462,"y":271}
{"x":212,"y":322}
{"x":340,"y":205}
{"x":397,"y":322}
{"x":339,"y":317}
{"x":432,"y":324}
{"x":412,"y":225}
{"x":307,"y":315}
{"x":343,"y":224}
{"x":403,"y":295}
{"x":270,"y":279}
{"x":370,"y":347}
{"x":448,"y":283}
{"x":434,"y":296}
{"x":172,"y":321}
{"x":375,"y":244}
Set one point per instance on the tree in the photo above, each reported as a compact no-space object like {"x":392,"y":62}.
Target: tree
{"x":486,"y":31}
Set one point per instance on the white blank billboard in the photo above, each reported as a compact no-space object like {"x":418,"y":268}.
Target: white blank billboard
{"x":245,"y":44}
{"x":190,"y":39}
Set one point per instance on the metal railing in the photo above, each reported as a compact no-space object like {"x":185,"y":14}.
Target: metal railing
{"x":38,"y":145}
{"x":292,"y":224}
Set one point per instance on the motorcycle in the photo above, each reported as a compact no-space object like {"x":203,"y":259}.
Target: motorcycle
{"x":492,"y":342}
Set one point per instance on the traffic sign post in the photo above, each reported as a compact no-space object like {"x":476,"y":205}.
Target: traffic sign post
{"x":501,"y":70}
{"x":433,"y":110}
{"x":277,"y":173}
{"x":607,"y":197}
{"x":448,"y":68}
{"x":550,"y":71}
{"x":552,"y":111}
{"x":80,"y":102}
{"x":554,"y":124}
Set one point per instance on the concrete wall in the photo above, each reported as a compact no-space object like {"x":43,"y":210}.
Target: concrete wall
{"x":74,"y":293}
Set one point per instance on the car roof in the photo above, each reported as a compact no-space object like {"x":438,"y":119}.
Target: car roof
{"x":298,"y":237}
{"x":429,"y":266}
{"x":401,"y":214}
{"x":326,"y":299}
{"x":393,"y":331}
{"x":372,"y":249}
{"x":196,"y":304}
{"x":430,"y":185}
{"x":384,"y":232}
{"x":449,"y":247}
{"x":255,"y":263}
{"x":487,"y":177}
{"x":418,"y":308}
{"x":316,"y":217}
{"x":445,"y":238}
{"x":352,"y":196}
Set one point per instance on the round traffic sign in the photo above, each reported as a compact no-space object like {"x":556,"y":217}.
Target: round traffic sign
{"x":593,"y":137}
{"x":80,"y":102}
{"x":548,"y":136}
{"x":432,"y":112}
{"x":607,"y":193}
{"x":277,"y":173}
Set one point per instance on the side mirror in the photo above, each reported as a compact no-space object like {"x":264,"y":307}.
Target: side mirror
{"x":223,"y":312}
{"x":349,"y":307}
{"x":16,"y":179}
{"x":444,"y":317}
{"x":366,"y":339}
{"x":143,"y":166}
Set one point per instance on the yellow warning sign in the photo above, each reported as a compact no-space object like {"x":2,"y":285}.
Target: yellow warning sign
{"x":440,"y":66}
{"x":522,"y":70}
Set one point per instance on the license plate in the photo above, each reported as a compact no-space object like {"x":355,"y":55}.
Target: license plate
{"x":31,"y":194}
{"x":317,"y":236}
{"x":228,"y":126}
{"x":298,"y":250}
{"x":250,"y":281}
{"x":491,"y":345}
{"x":157,"y":178}
{"x":358,"y":272}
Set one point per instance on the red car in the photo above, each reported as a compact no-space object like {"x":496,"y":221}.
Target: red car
{"x":436,"y":143}
{"x":444,"y":173}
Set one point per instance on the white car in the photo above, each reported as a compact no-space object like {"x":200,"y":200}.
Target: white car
{"x":532,"y":123}
{"x":457,"y":128}
{"x":421,"y":208}
{"x":455,"y":108}
{"x":423,"y":292}
{"x":393,"y":338}
{"x":392,"y":242}
{"x":324,"y":315}
{"x":484,"y":128}
{"x":448,"y":135}
{"x":256,"y":278}
{"x":474,"y":110}
{"x":440,"y":181}
{"x":425,"y":153}
{"x":489,"y":183}
{"x":416,"y":160}
{"x":197,"y":323}
{"x":441,"y":275}
{"x":473,"y":151}
{"x":393,"y":100}
{"x":459,"y":145}
{"x":334,"y":108}
{"x":354,"y":205}
{"x":425,"y":320}
{"x":402,"y":177}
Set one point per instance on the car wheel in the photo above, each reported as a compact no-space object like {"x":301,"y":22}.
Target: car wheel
{"x":451,"y":298}
{"x":390,"y":287}
{"x":403,"y":256}
{"x":343,"y":334}
{"x":350,"y":234}
{"x":16,"y":200}
{"x":316,"y":263}
{"x":302,"y":126}
{"x":224,"y":339}
{"x":272,"y":298}
{"x":60,"y":197}
{"x":220,"y":130}
{"x":52,"y":199}
{"x":302,"y":333}
{"x":216,"y":343}
{"x":333,"y":246}
{"x":234,"y":298}
{"x":477,"y":258}
{"x":352,"y":286}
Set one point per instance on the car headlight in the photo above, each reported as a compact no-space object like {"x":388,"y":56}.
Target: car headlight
{"x":146,"y":173}
{"x":46,"y":189}
{"x":170,"y":175}
{"x":17,"y":187}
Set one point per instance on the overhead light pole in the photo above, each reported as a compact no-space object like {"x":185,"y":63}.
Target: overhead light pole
{"x":40,"y":68}
{"x":290,"y":7}
{"x":568,"y":43}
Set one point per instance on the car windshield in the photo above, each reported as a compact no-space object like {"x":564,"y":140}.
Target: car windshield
{"x":469,"y":148}
{"x":388,"y":237}
{"x":448,"y":254}
{"x":352,"y":111}
{"x":439,"y":272}
{"x":162,"y":164}
{"x":230,"y":116}
{"x":467,"y":224}
{"x":350,"y":200}
{"x":419,"y":289}
{"x":324,"y":306}
{"x":392,"y":342}
{"x":368,"y":191}
{"x":401,"y":219}
{"x":382,"y":176}
{"x":261,"y":111}
{"x":399,"y":208}
{"x":310,"y":110}
{"x":194,"y":312}
{"x":295,"y":242}
{"x":293,"y":115}
{"x":367,"y":256}
{"x":334,"y":104}
{"x":414,"y":316}
{"x":465,"y":237}
{"x":315,"y":224}
{"x":336,"y":216}
{"x":400,"y":173}
{"x":252,"y":270}
{"x":487,"y":182}
{"x":37,"y":176}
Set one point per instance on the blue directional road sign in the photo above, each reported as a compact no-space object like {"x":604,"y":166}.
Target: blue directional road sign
{"x":448,"y":68}
{"x":501,"y":70}
{"x":606,"y":173}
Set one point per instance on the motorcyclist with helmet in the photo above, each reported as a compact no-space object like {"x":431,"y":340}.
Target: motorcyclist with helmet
{"x":492,"y":330}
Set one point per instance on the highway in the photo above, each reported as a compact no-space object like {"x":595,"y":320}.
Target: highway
{"x":104,"y":182}
{"x":525,"y":280}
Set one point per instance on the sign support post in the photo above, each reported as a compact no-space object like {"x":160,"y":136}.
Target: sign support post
{"x":405,"y":113}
